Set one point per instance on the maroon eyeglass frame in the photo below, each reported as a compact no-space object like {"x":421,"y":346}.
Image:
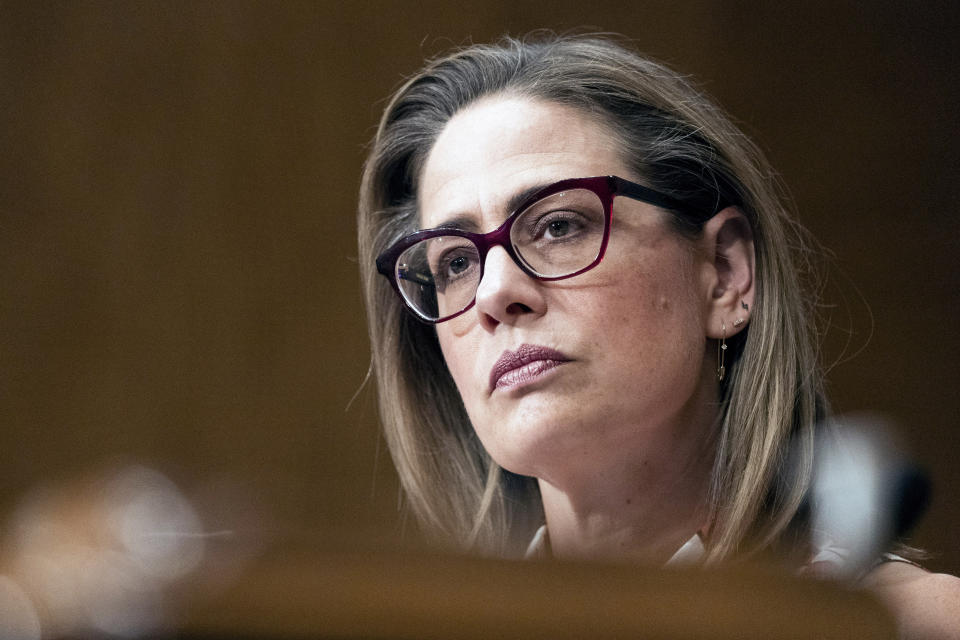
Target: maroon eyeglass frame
{"x":605,"y":187}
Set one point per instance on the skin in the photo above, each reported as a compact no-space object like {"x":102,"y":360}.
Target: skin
{"x":619,"y":437}
{"x":926,"y":605}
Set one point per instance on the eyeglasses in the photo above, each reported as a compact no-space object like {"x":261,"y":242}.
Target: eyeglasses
{"x":558,"y":232}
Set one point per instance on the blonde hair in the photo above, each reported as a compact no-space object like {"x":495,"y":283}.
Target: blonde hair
{"x":682,"y":145}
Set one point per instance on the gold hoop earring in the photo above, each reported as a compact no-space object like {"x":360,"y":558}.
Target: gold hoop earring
{"x":721,"y":350}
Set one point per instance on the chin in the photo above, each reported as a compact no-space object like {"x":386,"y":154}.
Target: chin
{"x":524,"y":446}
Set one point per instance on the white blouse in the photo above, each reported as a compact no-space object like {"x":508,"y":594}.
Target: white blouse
{"x":828,"y":560}
{"x":689,"y":553}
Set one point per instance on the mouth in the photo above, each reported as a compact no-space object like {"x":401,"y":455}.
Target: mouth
{"x":527,"y":363}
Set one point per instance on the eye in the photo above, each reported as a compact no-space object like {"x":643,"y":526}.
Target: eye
{"x":557,"y":225}
{"x":557,"y":228}
{"x":458,"y":265}
{"x":455,"y":262}
{"x":455,"y":265}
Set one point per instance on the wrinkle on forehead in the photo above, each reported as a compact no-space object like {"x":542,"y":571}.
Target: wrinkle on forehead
{"x":500,"y":146}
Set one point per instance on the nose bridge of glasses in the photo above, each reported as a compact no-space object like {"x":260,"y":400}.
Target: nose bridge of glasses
{"x":499,"y":237}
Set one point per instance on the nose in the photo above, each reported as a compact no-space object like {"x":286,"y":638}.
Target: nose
{"x":507,"y":295}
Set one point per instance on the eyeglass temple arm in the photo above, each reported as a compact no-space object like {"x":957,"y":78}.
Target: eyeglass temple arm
{"x":645,"y":194}
{"x":414,"y":276}
{"x":662,"y":200}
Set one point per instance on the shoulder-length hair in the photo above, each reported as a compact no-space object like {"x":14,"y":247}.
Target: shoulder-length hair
{"x":681,"y":144}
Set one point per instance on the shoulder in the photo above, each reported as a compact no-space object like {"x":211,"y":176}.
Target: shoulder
{"x":926,"y":605}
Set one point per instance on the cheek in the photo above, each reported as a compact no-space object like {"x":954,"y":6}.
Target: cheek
{"x":448,"y":347}
{"x":655,"y":320}
{"x":655,"y":296}
{"x":461,"y":359}
{"x":461,"y":356}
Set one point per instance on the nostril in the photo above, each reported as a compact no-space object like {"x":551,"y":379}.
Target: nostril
{"x":518,"y":307}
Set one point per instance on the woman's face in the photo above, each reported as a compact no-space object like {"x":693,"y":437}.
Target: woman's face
{"x":607,"y":367}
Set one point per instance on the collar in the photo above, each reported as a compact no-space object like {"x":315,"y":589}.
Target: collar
{"x":690,"y":552}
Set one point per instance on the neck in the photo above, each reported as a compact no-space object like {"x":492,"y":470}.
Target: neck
{"x":641,"y":505}
{"x":630,"y":519}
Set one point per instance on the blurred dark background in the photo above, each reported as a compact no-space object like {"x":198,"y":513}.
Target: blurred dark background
{"x":178,"y":273}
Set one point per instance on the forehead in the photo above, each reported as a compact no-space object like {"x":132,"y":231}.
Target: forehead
{"x":501,"y":146}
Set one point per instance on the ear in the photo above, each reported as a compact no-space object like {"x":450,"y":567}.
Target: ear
{"x":729,"y":272}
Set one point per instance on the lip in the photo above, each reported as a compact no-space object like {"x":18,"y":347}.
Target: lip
{"x":528,"y":362}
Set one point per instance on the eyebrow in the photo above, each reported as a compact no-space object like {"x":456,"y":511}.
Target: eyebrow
{"x":467,"y":222}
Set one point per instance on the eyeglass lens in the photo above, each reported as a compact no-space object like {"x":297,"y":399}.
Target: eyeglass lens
{"x":554,"y":237}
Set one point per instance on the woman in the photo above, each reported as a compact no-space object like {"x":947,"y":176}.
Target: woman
{"x":601,"y":327}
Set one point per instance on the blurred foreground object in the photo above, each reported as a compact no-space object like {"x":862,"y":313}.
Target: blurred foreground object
{"x":126,"y":554}
{"x":865,"y":495}
{"x":103,"y":556}
{"x":327,"y":595}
